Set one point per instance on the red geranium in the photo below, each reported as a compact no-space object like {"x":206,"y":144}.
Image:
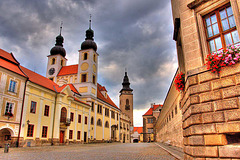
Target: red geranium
{"x":180,"y":81}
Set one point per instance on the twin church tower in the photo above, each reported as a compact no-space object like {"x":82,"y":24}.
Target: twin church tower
{"x":84,"y":75}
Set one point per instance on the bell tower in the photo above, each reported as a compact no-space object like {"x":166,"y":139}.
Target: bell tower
{"x":88,"y":65}
{"x":56,"y":59}
{"x":126,"y":99}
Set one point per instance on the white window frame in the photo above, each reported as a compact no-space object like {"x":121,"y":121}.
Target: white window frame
{"x":13,"y":107}
{"x":10,"y":86}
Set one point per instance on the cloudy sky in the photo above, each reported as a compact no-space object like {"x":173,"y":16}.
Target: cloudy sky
{"x":132,"y":34}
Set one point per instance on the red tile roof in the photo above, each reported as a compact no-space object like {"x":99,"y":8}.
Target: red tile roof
{"x":150,"y":110}
{"x":39,"y":79}
{"x":101,"y":96}
{"x":138,"y":129}
{"x":8,"y":56}
{"x":8,"y":61}
{"x":66,"y":70}
{"x":59,"y":89}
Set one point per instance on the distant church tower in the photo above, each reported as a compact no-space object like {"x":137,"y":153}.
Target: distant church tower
{"x":126,"y":98}
{"x":88,"y":65}
{"x":56,"y":59}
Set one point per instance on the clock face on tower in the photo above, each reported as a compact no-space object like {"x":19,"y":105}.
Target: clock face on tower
{"x":51,"y":71}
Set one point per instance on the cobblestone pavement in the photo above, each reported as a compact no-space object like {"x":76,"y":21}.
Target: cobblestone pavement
{"x":113,"y":151}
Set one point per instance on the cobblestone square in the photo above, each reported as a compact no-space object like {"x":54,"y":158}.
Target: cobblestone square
{"x":114,"y":151}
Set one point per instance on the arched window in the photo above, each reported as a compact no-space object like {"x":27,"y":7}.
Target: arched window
{"x":53,"y":61}
{"x":94,"y":58}
{"x":99,"y":122}
{"x":85,"y":56}
{"x":92,"y":121}
{"x":127,"y":106}
{"x":106,"y":124}
{"x":63,"y":115}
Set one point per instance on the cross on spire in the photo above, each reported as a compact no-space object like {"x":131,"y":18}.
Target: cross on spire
{"x":61,"y":27}
{"x":90,"y":21}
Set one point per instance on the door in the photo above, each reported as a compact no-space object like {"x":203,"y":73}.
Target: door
{"x":85,"y":136}
{"x":61,"y":136}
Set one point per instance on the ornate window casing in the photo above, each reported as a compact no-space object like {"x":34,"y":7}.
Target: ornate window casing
{"x":204,"y":12}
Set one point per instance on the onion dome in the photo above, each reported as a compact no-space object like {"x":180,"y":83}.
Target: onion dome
{"x":126,"y":84}
{"x":58,"y":48}
{"x":89,"y":41}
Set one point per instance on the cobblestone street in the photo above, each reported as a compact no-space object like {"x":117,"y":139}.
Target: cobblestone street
{"x":105,"y":151}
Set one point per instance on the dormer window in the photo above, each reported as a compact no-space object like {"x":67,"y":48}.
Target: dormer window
{"x":85,"y":56}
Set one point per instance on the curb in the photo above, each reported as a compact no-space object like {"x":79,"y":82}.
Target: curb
{"x":171,"y":153}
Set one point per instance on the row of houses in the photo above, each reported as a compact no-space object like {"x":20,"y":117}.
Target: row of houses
{"x":66,"y":106}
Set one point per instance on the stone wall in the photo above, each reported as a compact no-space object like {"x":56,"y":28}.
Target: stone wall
{"x":211,"y":113}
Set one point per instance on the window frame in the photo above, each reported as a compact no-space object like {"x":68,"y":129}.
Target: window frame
{"x":86,"y":120}
{"x":78,"y":135}
{"x":84,"y":77}
{"x":44,"y":131}
{"x":12,"y":86}
{"x":70,"y":134}
{"x":33,"y":110}
{"x":12,"y":109}
{"x":71,"y":116}
{"x":46,"y":110}
{"x":79,"y":118}
{"x":30,"y":130}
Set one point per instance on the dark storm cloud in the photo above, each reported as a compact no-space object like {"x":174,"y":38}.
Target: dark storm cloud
{"x":135,"y":34}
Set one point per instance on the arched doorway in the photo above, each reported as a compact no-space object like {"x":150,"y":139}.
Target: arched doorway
{"x":135,"y":141}
{"x":5,"y":136}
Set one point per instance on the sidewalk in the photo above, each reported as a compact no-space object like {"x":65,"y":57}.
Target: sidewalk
{"x":174,"y":151}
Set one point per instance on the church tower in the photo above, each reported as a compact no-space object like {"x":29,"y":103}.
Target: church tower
{"x":56,"y":59}
{"x":126,"y":99}
{"x":88,"y":65}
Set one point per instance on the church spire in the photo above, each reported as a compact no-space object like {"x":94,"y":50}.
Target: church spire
{"x":126,"y":83}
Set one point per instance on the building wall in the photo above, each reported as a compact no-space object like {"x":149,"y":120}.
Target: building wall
{"x":10,"y":124}
{"x":125,"y":131}
{"x":210,"y":101}
{"x":169,"y":123}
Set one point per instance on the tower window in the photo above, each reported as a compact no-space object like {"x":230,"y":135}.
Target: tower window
{"x":94,"y":57}
{"x":94,"y":79}
{"x":84,"y":77}
{"x":51,"y":79}
{"x":127,"y":106}
{"x":61,"y":62}
{"x":53,"y":61}
{"x":85,"y":56}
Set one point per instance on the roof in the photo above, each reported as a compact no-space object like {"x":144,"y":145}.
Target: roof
{"x":71,"y":87}
{"x":67,"y":70}
{"x":150,"y":110}
{"x":39,"y":79}
{"x":138,"y":129}
{"x":8,"y":61}
{"x":101,"y":96}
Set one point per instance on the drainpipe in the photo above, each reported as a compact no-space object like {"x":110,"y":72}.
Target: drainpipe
{"x":17,"y":144}
{"x":55,"y":104}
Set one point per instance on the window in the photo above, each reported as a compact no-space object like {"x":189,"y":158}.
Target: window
{"x":33,"y":107}
{"x":51,"y":79}
{"x":92,"y":106}
{"x":113,"y":114}
{"x":220,"y":29}
{"x":46,"y":110}
{"x":44,"y":131}
{"x":106,"y":124}
{"x":99,"y":110}
{"x":124,"y":126}
{"x":117,"y":116}
{"x":94,"y":57}
{"x":79,"y":118}
{"x":30,"y":130}
{"x":53,"y":61}
{"x":63,"y":115}
{"x":61,"y":62}
{"x":71,"y":116}
{"x":70,"y":134}
{"x":84,"y":77}
{"x":12,"y":86}
{"x":9,"y":109}
{"x":94,"y":79}
{"x":107,"y":112}
{"x":176,"y":110}
{"x":127,"y":106}
{"x":78,"y":135}
{"x":150,"y":120}
{"x":172,"y":114}
{"x":92,"y":121}
{"x":85,"y":56}
{"x":85,"y":120}
{"x":127,"y":126}
{"x":150,"y":130}
{"x":99,"y":122}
